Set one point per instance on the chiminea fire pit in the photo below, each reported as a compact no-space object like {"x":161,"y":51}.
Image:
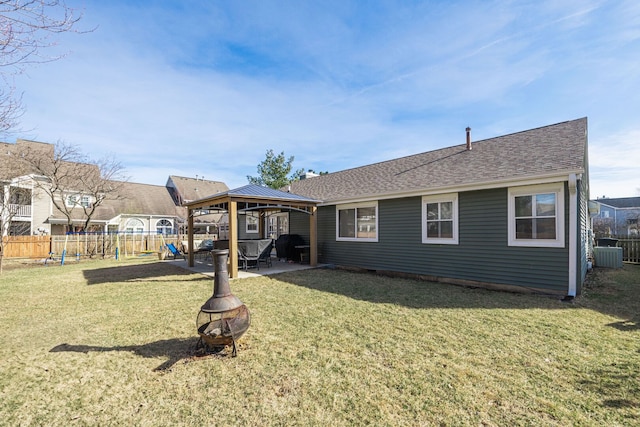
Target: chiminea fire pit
{"x":223,"y":318}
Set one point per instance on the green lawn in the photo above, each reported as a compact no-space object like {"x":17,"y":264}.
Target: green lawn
{"x":107,"y":342}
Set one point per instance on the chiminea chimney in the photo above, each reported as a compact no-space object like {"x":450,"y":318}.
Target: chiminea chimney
{"x":468,"y":139}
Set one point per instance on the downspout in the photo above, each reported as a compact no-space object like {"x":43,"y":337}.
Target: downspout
{"x":573,"y":234}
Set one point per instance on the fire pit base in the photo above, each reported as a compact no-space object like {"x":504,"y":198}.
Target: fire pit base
{"x":218,"y":330}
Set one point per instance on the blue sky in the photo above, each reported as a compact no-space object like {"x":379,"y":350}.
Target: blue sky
{"x":207,"y":87}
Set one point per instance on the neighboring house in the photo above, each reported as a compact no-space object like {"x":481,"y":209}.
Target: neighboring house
{"x":616,"y":217}
{"x":134,"y":208}
{"x":509,"y":212}
{"x":185,"y":190}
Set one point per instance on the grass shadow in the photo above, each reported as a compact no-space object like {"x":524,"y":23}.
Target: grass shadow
{"x":617,"y":385}
{"x":608,"y":291}
{"x":632,"y":324}
{"x":138,"y":272}
{"x":174,"y":350}
{"x":414,"y":293}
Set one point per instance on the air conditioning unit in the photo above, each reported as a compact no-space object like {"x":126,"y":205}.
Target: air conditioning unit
{"x":610,"y":257}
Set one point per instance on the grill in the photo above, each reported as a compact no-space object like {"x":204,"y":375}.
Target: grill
{"x":223,"y":319}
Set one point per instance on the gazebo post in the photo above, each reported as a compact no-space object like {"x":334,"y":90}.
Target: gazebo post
{"x":233,"y":239}
{"x":313,"y":236}
{"x":190,"y":236}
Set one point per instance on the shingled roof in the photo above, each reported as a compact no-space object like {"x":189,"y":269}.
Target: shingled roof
{"x":622,"y":202}
{"x":191,"y":189}
{"x":549,"y":150}
{"x":133,"y":199}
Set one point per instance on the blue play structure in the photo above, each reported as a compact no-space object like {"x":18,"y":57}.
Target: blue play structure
{"x":176,"y":253}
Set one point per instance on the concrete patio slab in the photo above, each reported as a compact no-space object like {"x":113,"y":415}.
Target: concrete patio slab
{"x":204,"y":265}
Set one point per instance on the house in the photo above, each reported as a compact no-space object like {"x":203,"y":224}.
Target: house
{"x":132,"y":207}
{"x":616,"y":217}
{"x":509,"y":212}
{"x":185,"y":190}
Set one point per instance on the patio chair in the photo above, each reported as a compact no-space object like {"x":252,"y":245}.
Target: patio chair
{"x":254,"y":251}
{"x":174,"y":251}
{"x":265,"y":254}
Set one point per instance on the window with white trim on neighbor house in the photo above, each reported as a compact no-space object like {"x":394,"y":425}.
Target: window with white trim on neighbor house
{"x":440,"y":219}
{"x":78,"y":200}
{"x":164,"y":226}
{"x":357,"y":222}
{"x":536,"y":215}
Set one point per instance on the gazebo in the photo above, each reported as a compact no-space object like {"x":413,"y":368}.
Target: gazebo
{"x":251,"y":198}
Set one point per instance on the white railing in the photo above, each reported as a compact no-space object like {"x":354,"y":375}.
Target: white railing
{"x":22,"y":211}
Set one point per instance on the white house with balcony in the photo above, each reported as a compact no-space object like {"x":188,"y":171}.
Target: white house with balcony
{"x":27,"y":209}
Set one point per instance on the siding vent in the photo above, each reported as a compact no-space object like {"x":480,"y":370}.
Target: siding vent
{"x":468,"y":139}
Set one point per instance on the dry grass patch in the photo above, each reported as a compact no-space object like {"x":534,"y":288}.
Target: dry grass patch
{"x":113,"y":343}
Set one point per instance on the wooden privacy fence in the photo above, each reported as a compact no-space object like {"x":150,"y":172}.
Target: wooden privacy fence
{"x":26,"y":246}
{"x":630,"y":249}
{"x":88,"y":245}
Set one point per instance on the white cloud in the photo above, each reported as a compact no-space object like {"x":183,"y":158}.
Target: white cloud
{"x":207,"y":89}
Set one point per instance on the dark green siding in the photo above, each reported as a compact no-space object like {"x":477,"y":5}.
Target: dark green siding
{"x":482,"y":254}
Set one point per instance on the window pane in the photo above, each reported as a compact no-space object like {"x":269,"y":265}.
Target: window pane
{"x":432,"y":211}
{"x":545,"y":228}
{"x":446,"y":210}
{"x":367,"y":223}
{"x":432,"y":229}
{"x":446,"y":229}
{"x":347,"y":226}
{"x":523,"y":206}
{"x":366,"y":214}
{"x":524,"y":228}
{"x":546,"y":204}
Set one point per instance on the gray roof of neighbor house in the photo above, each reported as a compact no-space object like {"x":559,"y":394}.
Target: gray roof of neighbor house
{"x":11,"y":164}
{"x":556,"y":149}
{"x":195,"y":188}
{"x":622,"y":202}
{"x":140,"y":199}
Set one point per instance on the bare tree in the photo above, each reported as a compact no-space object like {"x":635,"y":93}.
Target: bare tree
{"x":76,"y":184}
{"x":27,"y":29}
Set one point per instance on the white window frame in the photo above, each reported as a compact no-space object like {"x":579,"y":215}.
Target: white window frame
{"x":72,"y":200}
{"x":81,"y":200}
{"x":254,"y":220}
{"x":356,"y":206}
{"x":532,"y":190}
{"x":134,"y":226}
{"x":440,"y":198}
{"x":164,"y":227}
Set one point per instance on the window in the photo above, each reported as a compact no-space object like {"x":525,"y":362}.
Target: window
{"x":357,"y":222}
{"x":164,"y":226}
{"x":440,"y":219}
{"x":252,"y":219}
{"x":536,"y":215}
{"x":77,"y":200}
{"x":134,"y":225}
{"x":277,"y":225}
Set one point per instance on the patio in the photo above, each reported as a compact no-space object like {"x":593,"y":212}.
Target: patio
{"x":204,"y":265}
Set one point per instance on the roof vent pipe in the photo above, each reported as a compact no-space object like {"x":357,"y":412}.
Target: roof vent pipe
{"x":468,"y":139}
